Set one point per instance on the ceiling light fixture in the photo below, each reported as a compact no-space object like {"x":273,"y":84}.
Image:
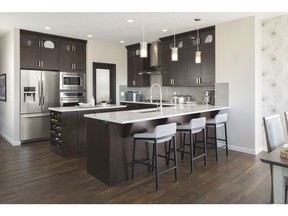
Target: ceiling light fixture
{"x":174,"y":49}
{"x":47,"y":28}
{"x":130,"y":21}
{"x":143,"y":44}
{"x":122,"y":41}
{"x":198,"y":52}
{"x":89,"y":36}
{"x":164,"y":30}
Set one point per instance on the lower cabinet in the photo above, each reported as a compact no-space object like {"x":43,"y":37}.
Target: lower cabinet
{"x":68,"y":131}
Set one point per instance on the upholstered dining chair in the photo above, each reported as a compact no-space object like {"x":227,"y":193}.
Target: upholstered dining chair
{"x":274,"y":138}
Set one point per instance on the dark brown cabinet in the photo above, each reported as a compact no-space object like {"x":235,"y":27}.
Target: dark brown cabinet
{"x":135,"y":65}
{"x":185,"y":72}
{"x":51,"y":52}
{"x":173,"y":71}
{"x":73,"y":56}
{"x":68,"y":131}
{"x":38,"y":51}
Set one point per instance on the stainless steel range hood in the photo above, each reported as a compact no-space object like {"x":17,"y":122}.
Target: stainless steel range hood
{"x":155,"y":60}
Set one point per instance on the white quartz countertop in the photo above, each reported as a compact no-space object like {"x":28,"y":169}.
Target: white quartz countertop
{"x":131,"y":116}
{"x":145,"y":102}
{"x":78,"y":108}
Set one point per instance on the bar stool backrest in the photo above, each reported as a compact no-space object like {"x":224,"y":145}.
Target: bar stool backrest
{"x":274,"y":132}
{"x":165,"y":130}
{"x":198,"y":123}
{"x":221,"y":118}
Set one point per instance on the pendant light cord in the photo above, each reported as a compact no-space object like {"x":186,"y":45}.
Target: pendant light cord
{"x":174,"y":36}
{"x":143,"y":27}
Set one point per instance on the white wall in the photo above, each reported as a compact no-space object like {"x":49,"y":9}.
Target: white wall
{"x":237,"y":62}
{"x":9,"y":64}
{"x":98,"y":51}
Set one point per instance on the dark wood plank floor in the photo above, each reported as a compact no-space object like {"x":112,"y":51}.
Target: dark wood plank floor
{"x":32,"y":174}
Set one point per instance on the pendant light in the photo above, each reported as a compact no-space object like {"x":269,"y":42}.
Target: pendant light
{"x":198,"y":52}
{"x":143,"y":44}
{"x":174,"y":50}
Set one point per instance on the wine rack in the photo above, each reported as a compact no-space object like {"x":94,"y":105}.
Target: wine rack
{"x":56,"y":131}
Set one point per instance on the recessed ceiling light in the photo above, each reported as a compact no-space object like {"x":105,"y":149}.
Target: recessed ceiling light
{"x":130,"y":21}
{"x":122,"y":41}
{"x":89,"y":36}
{"x":164,"y":30}
{"x":47,"y":28}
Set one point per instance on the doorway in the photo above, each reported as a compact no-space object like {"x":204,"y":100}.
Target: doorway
{"x":104,"y":82}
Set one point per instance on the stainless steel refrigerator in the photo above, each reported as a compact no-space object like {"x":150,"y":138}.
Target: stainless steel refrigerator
{"x":39,"y":91}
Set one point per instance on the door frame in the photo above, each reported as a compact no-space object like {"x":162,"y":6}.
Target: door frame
{"x":112,"y":71}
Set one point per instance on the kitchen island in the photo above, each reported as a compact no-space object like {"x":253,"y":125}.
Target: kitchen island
{"x":110,"y":137}
{"x":68,"y":127}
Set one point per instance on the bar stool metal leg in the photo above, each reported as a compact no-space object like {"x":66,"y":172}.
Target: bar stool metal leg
{"x":216,"y":150}
{"x":156,"y":165}
{"x":205,"y":146}
{"x":175,"y":159}
{"x":226,"y":142}
{"x":191,"y":152}
{"x":133,"y":159}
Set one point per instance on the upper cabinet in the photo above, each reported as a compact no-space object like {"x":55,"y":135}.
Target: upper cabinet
{"x":173,"y":71}
{"x":51,"y":52}
{"x":73,"y":56}
{"x":185,"y":72}
{"x":38,"y":51}
{"x":135,"y":65}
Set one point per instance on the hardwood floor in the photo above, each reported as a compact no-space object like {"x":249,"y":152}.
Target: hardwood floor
{"x":30,"y":173}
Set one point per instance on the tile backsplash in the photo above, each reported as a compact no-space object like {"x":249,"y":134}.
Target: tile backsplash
{"x":167,"y":92}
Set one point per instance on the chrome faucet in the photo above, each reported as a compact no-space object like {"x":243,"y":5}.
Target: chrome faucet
{"x":156,"y":84}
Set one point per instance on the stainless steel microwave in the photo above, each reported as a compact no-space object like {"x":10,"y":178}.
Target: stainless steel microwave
{"x":72,"y":81}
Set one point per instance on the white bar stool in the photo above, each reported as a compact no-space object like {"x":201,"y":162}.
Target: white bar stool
{"x":195,"y":126}
{"x":161,"y":134}
{"x":217,"y":122}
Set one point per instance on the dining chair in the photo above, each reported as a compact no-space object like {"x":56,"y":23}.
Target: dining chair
{"x":286,"y":120}
{"x":274,"y":138}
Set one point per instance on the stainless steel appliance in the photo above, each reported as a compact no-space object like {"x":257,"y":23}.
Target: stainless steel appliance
{"x":209,"y":97}
{"x":155,"y":60}
{"x":72,"y":98}
{"x":39,"y":90}
{"x":72,"y":81}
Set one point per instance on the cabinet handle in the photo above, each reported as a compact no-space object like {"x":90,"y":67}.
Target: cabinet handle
{"x":39,"y":64}
{"x":200,"y":80}
{"x":134,"y":82}
{"x":39,"y":43}
{"x":42,"y":64}
{"x":74,"y":66}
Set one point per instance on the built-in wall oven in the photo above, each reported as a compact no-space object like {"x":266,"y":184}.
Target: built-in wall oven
{"x":72,"y":81}
{"x":72,"y":98}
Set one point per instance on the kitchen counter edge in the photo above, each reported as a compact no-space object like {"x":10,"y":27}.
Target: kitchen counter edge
{"x":78,"y":108}
{"x":126,"y":117}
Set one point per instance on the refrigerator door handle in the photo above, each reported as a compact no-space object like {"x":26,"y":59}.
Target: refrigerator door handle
{"x":42,"y":84}
{"x":39,"y":92}
{"x":34,"y":115}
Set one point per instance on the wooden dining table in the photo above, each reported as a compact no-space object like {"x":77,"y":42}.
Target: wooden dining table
{"x":280,"y":171}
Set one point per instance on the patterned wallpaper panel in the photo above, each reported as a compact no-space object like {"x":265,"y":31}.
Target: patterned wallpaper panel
{"x":275,"y":66}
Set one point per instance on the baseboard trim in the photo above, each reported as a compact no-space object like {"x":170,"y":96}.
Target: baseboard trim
{"x":8,"y":139}
{"x":242,"y":149}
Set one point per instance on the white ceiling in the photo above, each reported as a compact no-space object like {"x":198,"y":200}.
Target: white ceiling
{"x":113,"y":26}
